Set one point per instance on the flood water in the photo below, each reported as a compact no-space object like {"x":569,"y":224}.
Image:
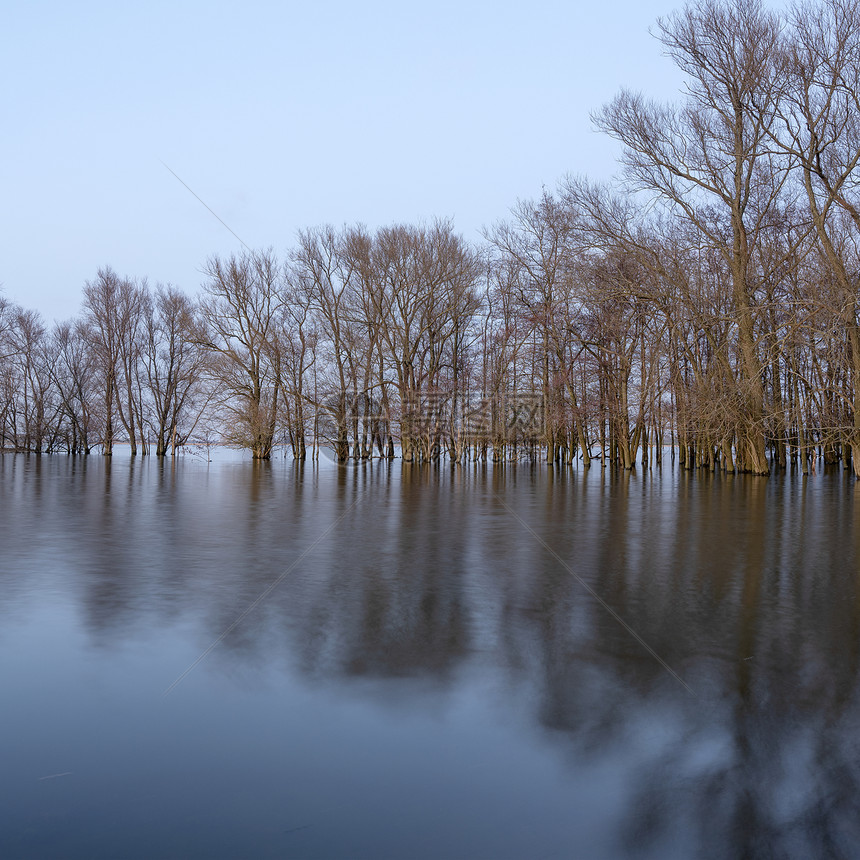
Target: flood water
{"x":381,"y":661}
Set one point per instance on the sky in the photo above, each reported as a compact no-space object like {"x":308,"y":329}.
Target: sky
{"x":282,"y":116}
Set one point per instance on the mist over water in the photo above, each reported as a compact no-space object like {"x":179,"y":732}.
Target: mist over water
{"x":400,"y":665}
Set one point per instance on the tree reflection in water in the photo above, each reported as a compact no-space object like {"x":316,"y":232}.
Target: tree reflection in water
{"x":746,"y":587}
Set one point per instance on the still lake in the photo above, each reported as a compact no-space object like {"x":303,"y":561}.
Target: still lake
{"x":383,"y":661}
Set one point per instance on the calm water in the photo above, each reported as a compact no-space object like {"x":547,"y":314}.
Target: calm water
{"x":392,"y":662}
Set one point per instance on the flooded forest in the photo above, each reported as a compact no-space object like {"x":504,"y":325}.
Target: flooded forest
{"x":704,"y":304}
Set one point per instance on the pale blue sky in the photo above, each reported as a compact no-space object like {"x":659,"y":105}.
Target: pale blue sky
{"x":282,"y":116}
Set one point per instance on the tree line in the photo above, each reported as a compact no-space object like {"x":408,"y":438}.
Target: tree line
{"x":706,"y":301}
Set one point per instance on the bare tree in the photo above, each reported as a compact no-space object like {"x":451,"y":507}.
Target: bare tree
{"x":112,"y":316}
{"x":539,"y":251}
{"x":173,"y":366}
{"x":74,"y":375}
{"x":324,"y":280}
{"x":709,"y":160}
{"x":294,"y":351}
{"x":423,"y":293}
{"x":821,"y":130}
{"x":237,"y":326}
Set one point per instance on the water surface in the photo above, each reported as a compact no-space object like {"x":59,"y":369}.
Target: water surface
{"x":384,"y":661}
